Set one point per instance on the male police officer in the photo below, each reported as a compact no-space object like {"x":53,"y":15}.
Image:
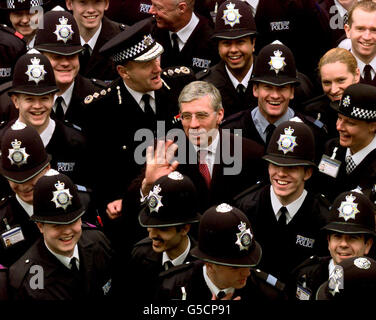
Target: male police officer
{"x":350,"y":233}
{"x":226,"y":250}
{"x":235,"y":31}
{"x":74,"y":260}
{"x":285,"y":216}
{"x":59,"y":40}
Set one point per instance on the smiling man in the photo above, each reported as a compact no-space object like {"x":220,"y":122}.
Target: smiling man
{"x":286,"y":217}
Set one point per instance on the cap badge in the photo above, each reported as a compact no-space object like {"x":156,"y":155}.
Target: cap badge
{"x":231,"y":15}
{"x":154,"y":199}
{"x":346,"y":101}
{"x":362,"y":263}
{"x":175,"y":175}
{"x":61,"y":196}
{"x":286,"y":141}
{"x":35,"y":71}
{"x":148,"y":40}
{"x":336,"y":280}
{"x":17,"y":155}
{"x":348,"y":209}
{"x":224,"y":207}
{"x":244,"y":237}
{"x":63,"y":30}
{"x":277,"y":62}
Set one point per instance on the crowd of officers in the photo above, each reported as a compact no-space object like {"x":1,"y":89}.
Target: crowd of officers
{"x":187,"y":150}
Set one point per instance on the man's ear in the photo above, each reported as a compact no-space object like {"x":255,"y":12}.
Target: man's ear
{"x":122,"y":71}
{"x":40,"y":226}
{"x":14,"y":99}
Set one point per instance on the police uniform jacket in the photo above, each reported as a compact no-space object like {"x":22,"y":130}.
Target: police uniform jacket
{"x":60,"y":283}
{"x":100,"y":66}
{"x":3,"y":283}
{"x":284,"y":249}
{"x":128,"y":11}
{"x":7,"y":109}
{"x":232,"y":101}
{"x":364,"y":175}
{"x":190,"y":276}
{"x":12,"y":46}
{"x":198,"y":53}
{"x":15,"y":215}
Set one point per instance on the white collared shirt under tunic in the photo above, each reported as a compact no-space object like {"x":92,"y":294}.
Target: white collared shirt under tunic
{"x":210,"y":155}
{"x":360,"y":155}
{"x":292,"y":208}
{"x":66,"y":260}
{"x":67,"y":97}
{"x":180,"y":259}
{"x":26,"y":206}
{"x":212,"y":287}
{"x":138,"y":97}
{"x":184,"y":33}
{"x":235,"y":81}
{"x":46,"y":135}
{"x":361,"y":66}
{"x":92,"y":42}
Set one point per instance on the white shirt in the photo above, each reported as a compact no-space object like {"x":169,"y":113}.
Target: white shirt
{"x":27,"y":207}
{"x":66,"y":260}
{"x":138,"y":97}
{"x":361,"y":66}
{"x":46,"y":135}
{"x":212,"y":287}
{"x":292,"y":208}
{"x":184,"y":33}
{"x":245,"y":80}
{"x":331,"y":267}
{"x":360,"y":155}
{"x":180,"y":259}
{"x":67,"y":97}
{"x":92,"y":42}
{"x":210,"y":155}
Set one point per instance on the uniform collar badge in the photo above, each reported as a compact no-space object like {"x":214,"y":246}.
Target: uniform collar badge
{"x":346,"y":101}
{"x":362,"y":263}
{"x":231,"y":15}
{"x":348,"y":209}
{"x":277,"y":62}
{"x":287,"y":142}
{"x":61,"y":197}
{"x":63,"y":30}
{"x":154,"y":199}
{"x":336,"y":280}
{"x":17,"y":155}
{"x":244,"y":237}
{"x":224,"y":207}
{"x":35,"y":71}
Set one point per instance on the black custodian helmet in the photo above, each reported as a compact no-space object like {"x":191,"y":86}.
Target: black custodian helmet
{"x":21,"y":4}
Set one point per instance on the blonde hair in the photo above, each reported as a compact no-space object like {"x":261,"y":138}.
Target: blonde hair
{"x":339,"y":55}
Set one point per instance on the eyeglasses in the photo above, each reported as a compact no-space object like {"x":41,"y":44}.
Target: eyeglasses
{"x":200,"y":116}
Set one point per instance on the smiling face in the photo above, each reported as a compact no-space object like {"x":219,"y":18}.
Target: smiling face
{"x":166,"y":13}
{"x":61,"y":238}
{"x":228,"y":277}
{"x":363,"y":34}
{"x":21,"y":22}
{"x":344,"y":246}
{"x":34,"y":110}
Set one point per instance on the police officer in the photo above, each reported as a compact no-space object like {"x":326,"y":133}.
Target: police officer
{"x":227,"y":253}
{"x":74,"y":260}
{"x":32,"y":93}
{"x":274,"y":81}
{"x":169,"y":212}
{"x":235,"y":32}
{"x":350,"y":233}
{"x":24,"y":160}
{"x":349,"y":161}
{"x":286,"y":217}
{"x":352,"y":280}
{"x":59,"y":40}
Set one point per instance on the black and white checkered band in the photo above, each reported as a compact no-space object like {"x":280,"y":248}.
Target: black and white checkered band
{"x":135,"y":51}
{"x":363,"y":114}
{"x":11,"y":4}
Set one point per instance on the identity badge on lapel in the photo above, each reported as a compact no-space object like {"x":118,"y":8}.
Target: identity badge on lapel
{"x":329,"y":165}
{"x":12,"y":235}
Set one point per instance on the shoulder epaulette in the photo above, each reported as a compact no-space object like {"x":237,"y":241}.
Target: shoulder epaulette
{"x":11,"y":31}
{"x":310,"y":261}
{"x":233,"y":117}
{"x":122,"y":26}
{"x":268,"y":278}
{"x":316,"y":122}
{"x":81,"y":188}
{"x":96,"y":95}
{"x":323,"y":200}
{"x":202,"y":74}
{"x":99,"y":83}
{"x":257,"y":186}
{"x":177,"y":269}
{"x":72,"y":125}
{"x":175,"y":72}
{"x":4,"y":200}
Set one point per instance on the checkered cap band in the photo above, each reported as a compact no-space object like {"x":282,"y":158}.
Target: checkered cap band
{"x":11,"y":4}
{"x":363,"y":114}
{"x":136,"y":50}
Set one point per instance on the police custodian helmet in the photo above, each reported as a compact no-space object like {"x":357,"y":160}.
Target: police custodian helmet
{"x":234,"y":20}
{"x":172,"y":201}
{"x":226,"y":237}
{"x":292,"y":144}
{"x":21,"y":4}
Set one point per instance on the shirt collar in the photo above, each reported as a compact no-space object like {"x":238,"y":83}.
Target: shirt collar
{"x":180,"y":259}
{"x":360,"y":155}
{"x":138,"y":95}
{"x":186,"y":31}
{"x":341,"y":10}
{"x":292,"y":207}
{"x":66,"y":260}
{"x":211,"y":148}
{"x":27,"y":207}
{"x":46,"y":135}
{"x":235,"y":81}
{"x":361,"y":64}
{"x":31,"y":43}
{"x":93,"y":39}
{"x":212,"y":287}
{"x":262,"y":123}
{"x":67,"y":96}
{"x":331,"y":267}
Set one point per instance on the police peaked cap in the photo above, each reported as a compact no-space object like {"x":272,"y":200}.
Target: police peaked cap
{"x":23,"y":155}
{"x":172,"y":201}
{"x":352,"y":212}
{"x":21,"y":4}
{"x":292,"y":144}
{"x":60,"y":34}
{"x":234,"y":20}
{"x":275,"y":65}
{"x":226,"y":237}
{"x":135,"y":43}
{"x":33,"y":75}
{"x":56,"y":199}
{"x":358,"y":102}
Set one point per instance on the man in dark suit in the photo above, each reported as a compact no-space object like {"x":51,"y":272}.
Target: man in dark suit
{"x":95,"y":31}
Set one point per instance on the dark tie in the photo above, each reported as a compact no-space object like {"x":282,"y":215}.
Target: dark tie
{"x":149,"y":112}
{"x":367,"y":74}
{"x":168,"y":264}
{"x":203,"y":166}
{"x":240,"y":89}
{"x":282,"y":217}
{"x":59,"y":112}
{"x":85,"y":56}
{"x":175,"y":43}
{"x":221,"y":294}
{"x":350,"y":164}
{"x":269,"y":132}
{"x":74,"y":268}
